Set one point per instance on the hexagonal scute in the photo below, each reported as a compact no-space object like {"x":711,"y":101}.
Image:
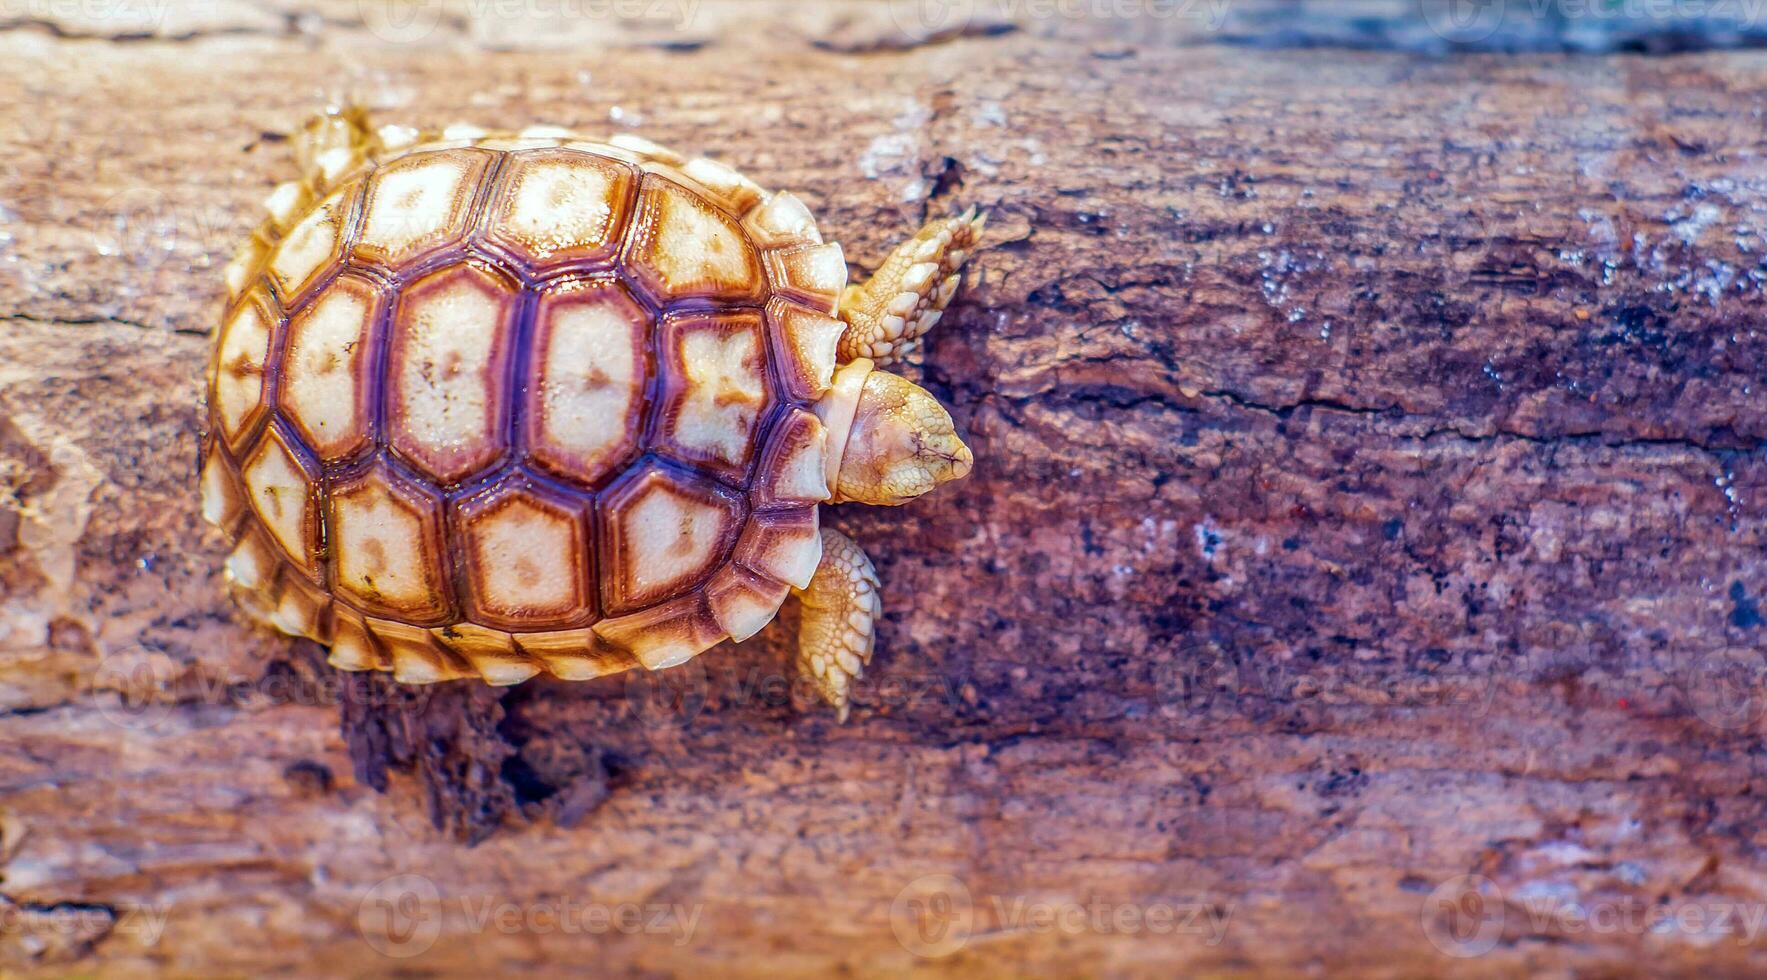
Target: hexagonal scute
{"x":281,"y":490}
{"x":451,"y":340}
{"x":665,"y":531}
{"x":314,"y":245}
{"x":386,"y":544}
{"x":527,"y":558}
{"x":714,"y":388}
{"x":327,"y":392}
{"x":586,"y":393}
{"x":557,"y":207}
{"x":419,"y":202}
{"x":241,"y":353}
{"x":682,"y":246}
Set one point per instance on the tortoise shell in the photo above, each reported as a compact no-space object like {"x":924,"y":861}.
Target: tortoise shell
{"x":498,"y":406}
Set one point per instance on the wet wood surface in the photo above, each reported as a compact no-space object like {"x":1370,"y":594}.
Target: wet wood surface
{"x":1361,"y":572}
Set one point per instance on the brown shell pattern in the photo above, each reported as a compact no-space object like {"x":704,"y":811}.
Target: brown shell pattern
{"x":502,"y":406}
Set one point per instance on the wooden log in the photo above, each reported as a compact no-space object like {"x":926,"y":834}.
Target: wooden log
{"x":1361,"y":572}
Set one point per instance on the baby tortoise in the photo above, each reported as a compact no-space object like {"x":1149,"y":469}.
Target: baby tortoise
{"x":486,"y":405}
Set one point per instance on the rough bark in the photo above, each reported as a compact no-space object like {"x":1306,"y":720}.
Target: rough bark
{"x":1370,"y":493}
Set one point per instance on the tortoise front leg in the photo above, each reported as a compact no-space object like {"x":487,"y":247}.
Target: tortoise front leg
{"x":841,"y":607}
{"x":889,"y":313}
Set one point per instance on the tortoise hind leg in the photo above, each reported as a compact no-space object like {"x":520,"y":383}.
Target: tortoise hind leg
{"x":334,"y":142}
{"x":889,"y":313}
{"x":327,"y":147}
{"x":841,"y":607}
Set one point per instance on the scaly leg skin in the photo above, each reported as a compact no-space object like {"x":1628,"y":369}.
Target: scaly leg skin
{"x":841,"y":608}
{"x":333,"y":142}
{"x":326,"y":148}
{"x":889,"y":313}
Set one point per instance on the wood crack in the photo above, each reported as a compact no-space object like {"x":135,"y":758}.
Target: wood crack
{"x":94,"y":321}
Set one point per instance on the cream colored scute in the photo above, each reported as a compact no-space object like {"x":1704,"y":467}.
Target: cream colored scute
{"x":783,"y":220}
{"x":643,"y":147}
{"x":794,"y":557}
{"x":743,"y":614}
{"x":284,"y":202}
{"x":382,"y":551}
{"x":785,"y":547}
{"x":809,"y":343}
{"x":298,"y":612}
{"x":351,"y":648}
{"x":664,"y":635}
{"x":735,"y":192}
{"x":797,"y":471}
{"x":491,"y":653}
{"x":817,"y":273}
{"x":724,"y":392}
{"x":220,"y":504}
{"x":696,"y":249}
{"x":591,"y":368}
{"x":281,"y":495}
{"x":239,"y":382}
{"x":743,"y":604}
{"x":556,"y":205}
{"x":327,"y":348}
{"x":525,"y":560}
{"x":417,"y":202}
{"x":251,"y":564}
{"x":802,"y":476}
{"x":449,"y":349}
{"x":669,"y":538}
{"x":576,"y":655}
{"x":310,"y":245}
{"x":244,"y":264}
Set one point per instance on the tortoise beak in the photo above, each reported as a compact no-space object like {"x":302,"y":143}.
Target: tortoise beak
{"x":943,"y":455}
{"x":963,"y":462}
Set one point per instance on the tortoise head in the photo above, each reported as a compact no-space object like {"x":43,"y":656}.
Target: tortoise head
{"x":889,"y":439}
